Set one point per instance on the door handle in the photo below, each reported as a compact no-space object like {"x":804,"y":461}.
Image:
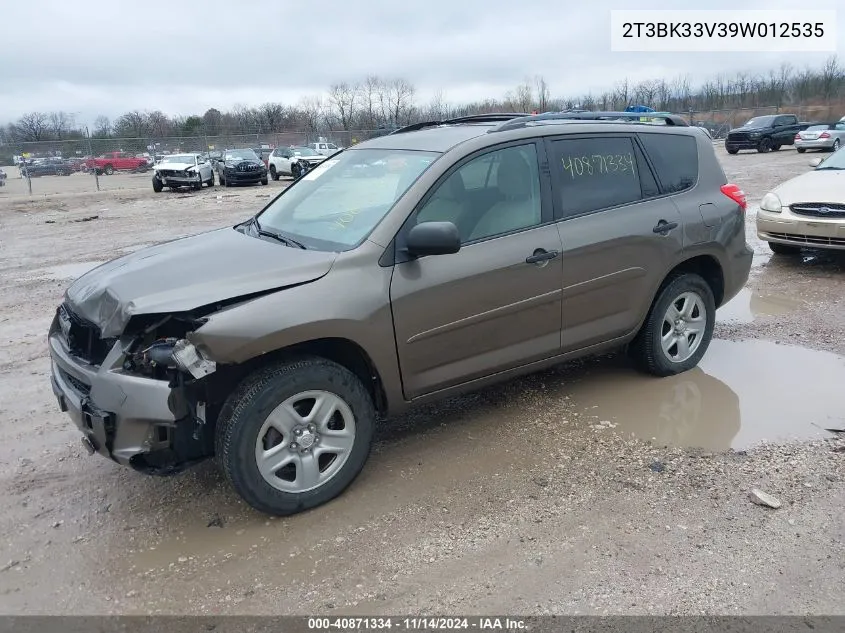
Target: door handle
{"x":541,"y":255}
{"x":663,"y":227}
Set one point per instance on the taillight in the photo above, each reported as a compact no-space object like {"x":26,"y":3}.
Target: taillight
{"x":736,"y":194}
{"x":797,"y":137}
{"x":824,"y":135}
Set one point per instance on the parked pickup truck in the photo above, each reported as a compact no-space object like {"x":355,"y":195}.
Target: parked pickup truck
{"x":765,"y":133}
{"x":111,"y":162}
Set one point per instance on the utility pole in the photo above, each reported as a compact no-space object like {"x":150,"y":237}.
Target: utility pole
{"x":91,"y":154}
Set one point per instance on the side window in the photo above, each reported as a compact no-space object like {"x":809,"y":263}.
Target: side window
{"x":481,"y":172}
{"x":487,"y":209}
{"x":840,"y":126}
{"x":675,"y":158}
{"x":596,"y":173}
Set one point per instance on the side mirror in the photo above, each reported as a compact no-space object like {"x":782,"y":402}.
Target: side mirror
{"x":433,"y":238}
{"x":815,"y":162}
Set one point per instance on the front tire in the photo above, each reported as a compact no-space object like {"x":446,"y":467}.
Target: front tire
{"x":157,"y":185}
{"x":273,"y":173}
{"x":264,"y":181}
{"x":678,"y":328}
{"x":784,"y":249}
{"x":733,"y":151}
{"x":800,"y":150}
{"x":108,"y":170}
{"x":295,"y":171}
{"x":294,"y":435}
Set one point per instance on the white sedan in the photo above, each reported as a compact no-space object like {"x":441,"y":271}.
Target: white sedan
{"x":807,"y":211}
{"x":183,"y":170}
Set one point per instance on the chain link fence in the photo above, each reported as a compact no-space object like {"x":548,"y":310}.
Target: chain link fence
{"x":72,"y":175}
{"x":720,"y":122}
{"x":65,"y":167}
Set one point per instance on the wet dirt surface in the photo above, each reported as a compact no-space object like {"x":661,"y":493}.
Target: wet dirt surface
{"x":585,"y":489}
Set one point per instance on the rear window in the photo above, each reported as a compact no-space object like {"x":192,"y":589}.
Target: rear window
{"x":675,"y":158}
{"x":818,"y":128}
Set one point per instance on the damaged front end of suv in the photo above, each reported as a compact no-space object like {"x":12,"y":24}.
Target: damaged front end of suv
{"x":124,"y":365}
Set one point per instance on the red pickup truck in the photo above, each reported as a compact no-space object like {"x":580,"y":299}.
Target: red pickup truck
{"x":111,"y":162}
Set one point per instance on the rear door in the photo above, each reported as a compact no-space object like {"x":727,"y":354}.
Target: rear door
{"x":495,"y":304}
{"x":620,"y":235}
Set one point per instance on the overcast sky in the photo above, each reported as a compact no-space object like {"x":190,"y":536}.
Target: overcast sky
{"x":185,"y":56}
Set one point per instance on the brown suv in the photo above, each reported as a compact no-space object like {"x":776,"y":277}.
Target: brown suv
{"x":432,"y":261}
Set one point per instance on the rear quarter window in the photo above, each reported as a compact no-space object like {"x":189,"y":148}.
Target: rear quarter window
{"x":675,"y":159}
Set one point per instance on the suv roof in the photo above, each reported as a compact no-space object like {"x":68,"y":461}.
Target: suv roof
{"x":440,"y":136}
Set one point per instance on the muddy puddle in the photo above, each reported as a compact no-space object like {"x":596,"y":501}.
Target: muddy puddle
{"x":743,"y":393}
{"x":66,"y":271}
{"x":748,"y":306}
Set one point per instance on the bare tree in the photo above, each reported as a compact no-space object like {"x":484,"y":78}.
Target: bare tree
{"x":400,"y":97}
{"x":622,"y":95}
{"x":343,"y":98}
{"x":131,"y":125}
{"x":102,"y":126}
{"x":60,"y":124}
{"x":33,"y":126}
{"x":272,"y":116}
{"x":159,"y":125}
{"x":371,"y":88}
{"x":437,"y":107}
{"x":312,"y":110}
{"x":543,"y":93}
{"x":213,"y":120}
{"x":830,"y":79}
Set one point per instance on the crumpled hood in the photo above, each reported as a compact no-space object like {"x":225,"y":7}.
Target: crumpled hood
{"x":188,"y":273}
{"x":173,"y":166}
{"x":822,"y":185}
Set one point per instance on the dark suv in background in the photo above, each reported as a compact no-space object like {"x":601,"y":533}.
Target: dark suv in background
{"x":481,"y":248}
{"x":765,"y":133}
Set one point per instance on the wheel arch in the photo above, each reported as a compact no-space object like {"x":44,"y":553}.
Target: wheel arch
{"x":343,"y":351}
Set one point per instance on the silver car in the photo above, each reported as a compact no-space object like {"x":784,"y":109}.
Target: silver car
{"x":824,"y":136}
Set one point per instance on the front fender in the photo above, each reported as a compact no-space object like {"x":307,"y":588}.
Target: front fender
{"x":349,"y":303}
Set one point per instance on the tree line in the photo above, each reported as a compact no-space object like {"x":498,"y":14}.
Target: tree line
{"x":375,"y":102}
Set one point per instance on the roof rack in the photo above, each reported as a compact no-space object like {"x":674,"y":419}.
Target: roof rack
{"x":582,"y":115}
{"x":492,"y":117}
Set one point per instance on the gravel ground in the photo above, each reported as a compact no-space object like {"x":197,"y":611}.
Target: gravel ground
{"x":582,"y":490}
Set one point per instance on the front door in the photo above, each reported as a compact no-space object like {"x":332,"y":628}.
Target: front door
{"x":495,"y":304}
{"x":620,"y":236}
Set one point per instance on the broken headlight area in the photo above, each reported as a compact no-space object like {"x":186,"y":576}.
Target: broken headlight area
{"x":160,"y":350}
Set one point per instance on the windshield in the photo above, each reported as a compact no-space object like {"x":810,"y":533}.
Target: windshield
{"x":304,"y":151}
{"x":760,"y":121}
{"x":336,"y":205}
{"x":834,"y":161}
{"x":235,"y":154}
{"x":178,"y":158}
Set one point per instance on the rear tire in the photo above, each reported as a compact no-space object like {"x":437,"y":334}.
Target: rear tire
{"x":835,"y":146}
{"x":765,"y":145}
{"x":211,"y":180}
{"x":243,"y":433}
{"x":108,"y":170}
{"x":784,"y":249}
{"x":800,"y":150}
{"x":683,"y":310}
{"x":733,"y":151}
{"x":775,"y":148}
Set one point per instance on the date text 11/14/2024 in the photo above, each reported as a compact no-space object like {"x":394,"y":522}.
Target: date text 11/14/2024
{"x":416,"y":623}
